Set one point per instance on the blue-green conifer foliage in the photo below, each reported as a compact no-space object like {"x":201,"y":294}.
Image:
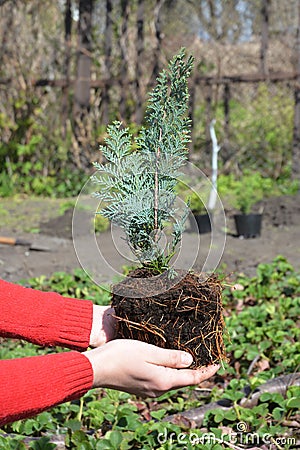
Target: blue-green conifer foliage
{"x":137,"y":183}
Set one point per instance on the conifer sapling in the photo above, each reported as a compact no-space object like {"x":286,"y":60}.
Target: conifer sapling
{"x":138,"y":186}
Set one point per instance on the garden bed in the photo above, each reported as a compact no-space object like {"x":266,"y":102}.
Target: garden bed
{"x":280,"y":234}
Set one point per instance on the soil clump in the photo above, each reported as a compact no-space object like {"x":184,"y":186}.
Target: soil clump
{"x":188,"y":316}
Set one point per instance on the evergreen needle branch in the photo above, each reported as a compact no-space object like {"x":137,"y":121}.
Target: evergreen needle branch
{"x":137,"y":183}
{"x":156,"y":188}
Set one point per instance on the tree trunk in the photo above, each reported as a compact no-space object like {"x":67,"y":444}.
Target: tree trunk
{"x":123,"y":41}
{"x":107,"y":63}
{"x":226,"y":142}
{"x":208,"y":114}
{"x":83,"y":79}
{"x":192,"y":104}
{"x":65,"y":90}
{"x":139,"y":62}
{"x":264,"y":36}
{"x":296,"y":134}
{"x":158,"y":36}
{"x":82,"y":129}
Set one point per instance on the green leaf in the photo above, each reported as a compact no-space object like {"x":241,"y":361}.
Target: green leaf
{"x":158,"y":414}
{"x":42,"y":444}
{"x":110,"y":417}
{"x":104,"y":444}
{"x":293,"y":403}
{"x":230,"y":415}
{"x":265,"y":397}
{"x":277,"y":413}
{"x":80,"y":439}
{"x":115,"y":438}
{"x":73,"y":424}
{"x":239,"y":352}
{"x":219,"y":417}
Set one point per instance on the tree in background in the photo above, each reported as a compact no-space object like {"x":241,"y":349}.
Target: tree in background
{"x":296,"y":131}
{"x":82,"y":88}
{"x":124,"y":58}
{"x":65,"y":91}
{"x":107,"y":62}
{"x":139,"y":60}
{"x":67,"y":68}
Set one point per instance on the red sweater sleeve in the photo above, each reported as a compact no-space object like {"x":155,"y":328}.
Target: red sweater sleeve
{"x":31,"y":385}
{"x":44,"y":318}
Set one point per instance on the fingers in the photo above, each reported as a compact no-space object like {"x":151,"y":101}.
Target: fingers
{"x":175,"y":359}
{"x":143,"y":369}
{"x":168,"y":379}
{"x":175,"y":379}
{"x":188,"y":377}
{"x":164,"y":361}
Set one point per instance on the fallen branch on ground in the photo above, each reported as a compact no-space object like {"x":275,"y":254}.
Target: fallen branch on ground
{"x":193,"y":418}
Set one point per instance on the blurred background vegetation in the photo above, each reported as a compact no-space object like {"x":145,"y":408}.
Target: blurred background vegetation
{"x":69,"y":67}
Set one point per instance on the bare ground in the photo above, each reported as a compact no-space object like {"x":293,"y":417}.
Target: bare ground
{"x":280,"y":236}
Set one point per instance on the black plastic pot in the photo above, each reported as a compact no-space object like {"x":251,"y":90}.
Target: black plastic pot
{"x":248,"y":225}
{"x":202,"y":223}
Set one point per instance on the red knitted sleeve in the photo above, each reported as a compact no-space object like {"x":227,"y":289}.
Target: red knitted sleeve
{"x":44,"y":318}
{"x":31,"y":385}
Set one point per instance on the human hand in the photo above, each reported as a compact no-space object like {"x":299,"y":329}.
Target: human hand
{"x":103,"y":326}
{"x":143,"y":369}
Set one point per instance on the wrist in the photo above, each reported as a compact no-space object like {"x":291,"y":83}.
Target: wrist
{"x":98,"y":362}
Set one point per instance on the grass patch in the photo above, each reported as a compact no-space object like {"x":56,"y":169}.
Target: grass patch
{"x":262,"y":319}
{"x":24,"y":214}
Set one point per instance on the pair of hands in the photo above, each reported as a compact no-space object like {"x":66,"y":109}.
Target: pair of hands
{"x":136,"y":367}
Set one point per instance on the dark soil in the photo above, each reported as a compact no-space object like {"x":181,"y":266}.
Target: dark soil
{"x":282,"y":211}
{"x":187,"y":317}
{"x":280,"y":236}
{"x":58,"y":226}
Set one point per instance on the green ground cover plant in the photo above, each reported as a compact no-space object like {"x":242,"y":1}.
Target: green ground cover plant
{"x":262,"y":318}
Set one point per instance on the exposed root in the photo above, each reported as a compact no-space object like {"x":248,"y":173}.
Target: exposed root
{"x":188,"y":316}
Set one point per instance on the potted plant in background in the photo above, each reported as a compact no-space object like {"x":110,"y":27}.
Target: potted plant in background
{"x":155,"y":302}
{"x":247,"y":192}
{"x":201,"y":221}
